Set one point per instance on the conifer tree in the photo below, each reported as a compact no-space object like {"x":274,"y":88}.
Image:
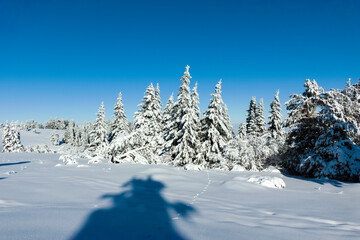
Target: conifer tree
{"x":11,"y":139}
{"x":69,"y":135}
{"x":167,"y":114}
{"x":215,"y":129}
{"x":275,"y":119}
{"x":98,"y":136}
{"x":181,"y":139}
{"x":158,"y":111}
{"x":145,"y":118}
{"x":242,"y":131}
{"x":120,"y":122}
{"x":251,"y":116}
{"x":260,"y":118}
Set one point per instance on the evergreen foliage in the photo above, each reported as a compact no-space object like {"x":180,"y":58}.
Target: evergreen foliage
{"x":275,"y":119}
{"x":215,"y":128}
{"x":251,"y":127}
{"x":182,"y":138}
{"x":99,"y":136}
{"x":120,"y":122}
{"x":11,"y":139}
{"x":260,"y":119}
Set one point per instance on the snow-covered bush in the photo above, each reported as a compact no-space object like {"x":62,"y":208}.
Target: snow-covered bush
{"x":68,"y":159}
{"x":253,"y":153}
{"x":39,"y":149}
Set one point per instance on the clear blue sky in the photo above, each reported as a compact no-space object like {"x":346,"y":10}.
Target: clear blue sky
{"x":62,"y":58}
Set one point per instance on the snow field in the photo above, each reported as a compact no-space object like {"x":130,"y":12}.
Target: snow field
{"x":41,"y":201}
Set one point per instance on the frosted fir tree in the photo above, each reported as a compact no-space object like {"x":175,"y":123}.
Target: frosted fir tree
{"x":181,"y":139}
{"x":276,"y":127}
{"x":55,"y":138}
{"x":158,"y":109}
{"x":6,"y":138}
{"x":85,"y":129}
{"x":146,"y":120}
{"x":226,"y":116}
{"x":251,"y":127}
{"x":120,"y":122}
{"x":167,"y":114}
{"x":11,"y":139}
{"x":242,"y":131}
{"x":215,"y":128}
{"x":69,"y":135}
{"x":199,"y":158}
{"x":260,"y":118}
{"x":99,"y":136}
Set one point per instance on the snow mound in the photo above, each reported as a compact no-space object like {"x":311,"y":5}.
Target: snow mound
{"x":95,"y":160}
{"x":68,"y":160}
{"x":193,"y":167}
{"x":238,"y":168}
{"x":270,"y":182}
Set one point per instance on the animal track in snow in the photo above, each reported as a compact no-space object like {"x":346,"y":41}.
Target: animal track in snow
{"x":198,"y":194}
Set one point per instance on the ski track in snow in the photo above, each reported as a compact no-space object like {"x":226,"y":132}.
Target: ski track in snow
{"x":200,"y":193}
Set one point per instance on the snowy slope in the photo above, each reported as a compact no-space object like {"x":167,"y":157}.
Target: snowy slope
{"x":41,"y":200}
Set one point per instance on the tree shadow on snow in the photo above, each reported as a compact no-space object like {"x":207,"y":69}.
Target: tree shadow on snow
{"x":137,"y":213}
{"x":9,"y":164}
{"x":1,"y":178}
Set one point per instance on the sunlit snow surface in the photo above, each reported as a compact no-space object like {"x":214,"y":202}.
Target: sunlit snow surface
{"x":43,"y":198}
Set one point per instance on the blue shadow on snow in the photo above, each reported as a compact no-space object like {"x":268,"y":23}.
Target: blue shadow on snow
{"x":17,"y":163}
{"x":137,"y":213}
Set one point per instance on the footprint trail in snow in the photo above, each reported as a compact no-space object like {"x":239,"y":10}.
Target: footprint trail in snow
{"x":198,"y":194}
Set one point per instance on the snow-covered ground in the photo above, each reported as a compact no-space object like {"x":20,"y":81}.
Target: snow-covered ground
{"x":42,"y":198}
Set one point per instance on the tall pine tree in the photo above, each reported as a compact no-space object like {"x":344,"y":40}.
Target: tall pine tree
{"x":99,"y":136}
{"x":215,"y":130}
{"x":260,"y":119}
{"x":251,"y":127}
{"x":120,"y":122}
{"x":181,"y":139}
{"x":275,"y":119}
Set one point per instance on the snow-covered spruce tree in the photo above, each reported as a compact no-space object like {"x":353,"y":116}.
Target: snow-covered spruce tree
{"x":181,"y":139}
{"x":319,"y":142}
{"x":159,"y":120}
{"x":158,"y":108}
{"x":242,"y":131}
{"x":352,"y":107}
{"x":141,"y":144}
{"x":120,"y":122}
{"x":69,"y":135}
{"x":199,"y":159}
{"x":145,"y":120}
{"x":85,"y":133}
{"x":11,"y":139}
{"x":55,"y":139}
{"x":215,"y":129}
{"x":251,"y":127}
{"x":276,"y":127}
{"x":98,"y":135}
{"x":260,"y":119}
{"x":167,"y":114}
